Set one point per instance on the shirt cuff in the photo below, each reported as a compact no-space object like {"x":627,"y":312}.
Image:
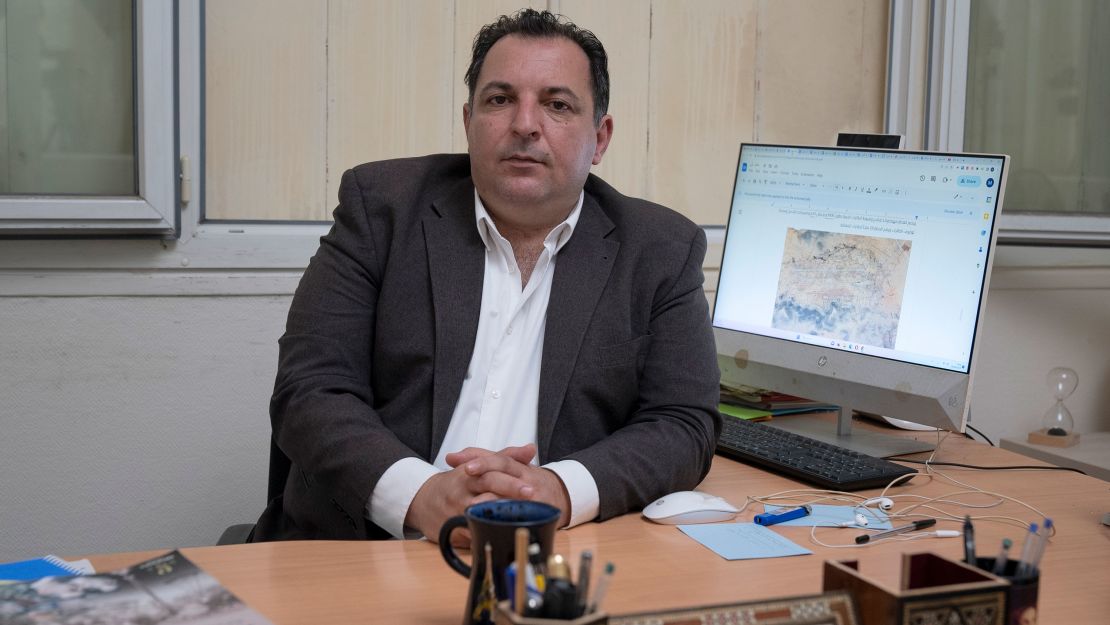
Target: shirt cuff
{"x":394,"y":492}
{"x":581,"y":487}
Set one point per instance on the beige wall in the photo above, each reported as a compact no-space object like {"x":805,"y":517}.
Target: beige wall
{"x":298,"y":92}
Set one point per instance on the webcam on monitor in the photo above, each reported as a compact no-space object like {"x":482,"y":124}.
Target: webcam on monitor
{"x":869,"y":140}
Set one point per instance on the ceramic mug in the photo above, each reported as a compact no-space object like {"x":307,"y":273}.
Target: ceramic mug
{"x":496,"y":522}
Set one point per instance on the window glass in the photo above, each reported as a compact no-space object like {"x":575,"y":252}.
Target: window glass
{"x":67,"y":110}
{"x":1038,"y":89}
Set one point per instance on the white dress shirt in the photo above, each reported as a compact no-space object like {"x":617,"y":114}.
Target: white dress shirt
{"x":499,"y":401}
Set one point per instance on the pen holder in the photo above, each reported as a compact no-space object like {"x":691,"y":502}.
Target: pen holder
{"x":932,"y":589}
{"x":504,"y":615}
{"x":1021,"y":597}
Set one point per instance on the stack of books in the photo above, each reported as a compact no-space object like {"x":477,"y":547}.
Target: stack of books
{"x":758,"y":404}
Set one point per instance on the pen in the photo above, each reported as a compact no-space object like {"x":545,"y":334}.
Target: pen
{"x":583,"y":588}
{"x":969,"y":541}
{"x":602,"y":586}
{"x":521,"y":555}
{"x":778,"y":516}
{"x":1003,"y":557}
{"x":916,"y":525}
{"x":1026,"y":550}
{"x":1042,"y":541}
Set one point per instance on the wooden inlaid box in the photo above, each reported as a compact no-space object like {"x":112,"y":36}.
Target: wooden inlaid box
{"x":932,"y":590}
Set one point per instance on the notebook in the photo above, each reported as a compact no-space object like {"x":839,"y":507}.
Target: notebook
{"x":26,"y":570}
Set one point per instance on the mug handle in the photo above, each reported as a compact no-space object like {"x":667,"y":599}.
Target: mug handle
{"x":445,"y":548}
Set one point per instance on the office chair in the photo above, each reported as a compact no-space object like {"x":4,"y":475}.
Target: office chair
{"x":279,"y":471}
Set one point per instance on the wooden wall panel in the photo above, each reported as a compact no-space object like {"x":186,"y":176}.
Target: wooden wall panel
{"x":470,"y":16}
{"x":299,"y":92}
{"x":265,"y":109}
{"x":807,"y":93}
{"x":390,"y":82}
{"x":624,"y":28}
{"x":701,"y":103}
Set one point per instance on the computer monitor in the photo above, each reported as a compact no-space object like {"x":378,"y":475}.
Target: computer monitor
{"x":858,"y":277}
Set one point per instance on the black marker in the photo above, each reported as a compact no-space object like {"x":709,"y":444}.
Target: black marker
{"x":969,"y":541}
{"x":583,"y":589}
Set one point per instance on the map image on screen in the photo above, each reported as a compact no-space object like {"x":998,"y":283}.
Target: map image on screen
{"x":846,"y":287}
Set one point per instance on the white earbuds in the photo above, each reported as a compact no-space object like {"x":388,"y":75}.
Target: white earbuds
{"x":884,"y":503}
{"x":861,"y":521}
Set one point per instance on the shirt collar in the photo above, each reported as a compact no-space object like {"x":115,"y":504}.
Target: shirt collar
{"x":555,"y":239}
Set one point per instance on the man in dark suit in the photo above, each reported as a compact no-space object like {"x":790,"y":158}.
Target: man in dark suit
{"x":497,"y":324}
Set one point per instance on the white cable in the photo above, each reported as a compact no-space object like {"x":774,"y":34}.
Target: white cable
{"x":812,"y":496}
{"x":975,"y":489}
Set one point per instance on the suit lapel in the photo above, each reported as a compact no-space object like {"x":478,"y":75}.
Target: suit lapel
{"x":456,"y":262}
{"x":581,"y":271}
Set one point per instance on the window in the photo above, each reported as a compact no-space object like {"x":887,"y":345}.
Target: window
{"x":86,"y":120}
{"x":1019,"y":77}
{"x":275,"y":98}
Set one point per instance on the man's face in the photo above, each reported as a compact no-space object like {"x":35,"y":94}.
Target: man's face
{"x":530,"y":128}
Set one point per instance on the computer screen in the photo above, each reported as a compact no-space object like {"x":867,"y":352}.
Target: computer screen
{"x":858,"y":276}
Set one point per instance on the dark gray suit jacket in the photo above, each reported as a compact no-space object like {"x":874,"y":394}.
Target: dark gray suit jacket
{"x":382,"y":326}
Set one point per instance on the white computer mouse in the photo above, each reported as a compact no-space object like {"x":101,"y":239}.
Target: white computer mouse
{"x":689,"y":506}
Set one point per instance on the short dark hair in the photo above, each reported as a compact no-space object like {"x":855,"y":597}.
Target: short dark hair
{"x":544,"y":24}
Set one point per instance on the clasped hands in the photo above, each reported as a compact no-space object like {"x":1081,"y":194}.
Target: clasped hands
{"x":479,"y":475}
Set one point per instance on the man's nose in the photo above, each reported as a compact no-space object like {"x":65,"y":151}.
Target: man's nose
{"x":526,"y":121}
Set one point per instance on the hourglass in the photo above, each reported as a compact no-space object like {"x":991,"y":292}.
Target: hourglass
{"x":1057,"y":425}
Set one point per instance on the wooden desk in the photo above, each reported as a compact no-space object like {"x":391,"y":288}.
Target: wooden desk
{"x":659,"y":567}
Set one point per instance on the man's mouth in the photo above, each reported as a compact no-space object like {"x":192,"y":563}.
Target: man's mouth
{"x":523,"y":158}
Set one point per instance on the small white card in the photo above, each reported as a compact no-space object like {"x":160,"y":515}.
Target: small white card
{"x":743,"y":541}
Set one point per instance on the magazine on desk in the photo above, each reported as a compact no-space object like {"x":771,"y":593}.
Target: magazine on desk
{"x":168,"y":589}
{"x":771,"y":402}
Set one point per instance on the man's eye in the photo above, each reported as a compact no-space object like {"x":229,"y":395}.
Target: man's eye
{"x":498,"y":100}
{"x":559,"y":105}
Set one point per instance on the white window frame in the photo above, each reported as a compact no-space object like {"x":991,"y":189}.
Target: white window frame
{"x":926,"y":94}
{"x":154,"y":210}
{"x":206,"y":258}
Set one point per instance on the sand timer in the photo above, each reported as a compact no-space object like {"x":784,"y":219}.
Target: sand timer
{"x":1057,"y":426}
{"x":1057,"y":420}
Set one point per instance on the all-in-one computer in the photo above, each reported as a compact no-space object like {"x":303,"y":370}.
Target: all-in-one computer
{"x":858,"y":277}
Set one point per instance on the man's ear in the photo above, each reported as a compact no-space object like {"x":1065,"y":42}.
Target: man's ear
{"x":466,"y":117}
{"x":604,"y":135}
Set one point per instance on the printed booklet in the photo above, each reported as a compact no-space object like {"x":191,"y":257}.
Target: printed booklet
{"x":168,"y":589}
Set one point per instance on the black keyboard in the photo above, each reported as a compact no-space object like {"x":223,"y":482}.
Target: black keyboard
{"x":821,"y":464}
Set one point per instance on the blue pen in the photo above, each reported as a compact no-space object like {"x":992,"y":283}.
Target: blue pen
{"x":1038,"y":548}
{"x":778,"y":516}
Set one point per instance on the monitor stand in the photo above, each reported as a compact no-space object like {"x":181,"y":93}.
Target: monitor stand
{"x":841,"y":434}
